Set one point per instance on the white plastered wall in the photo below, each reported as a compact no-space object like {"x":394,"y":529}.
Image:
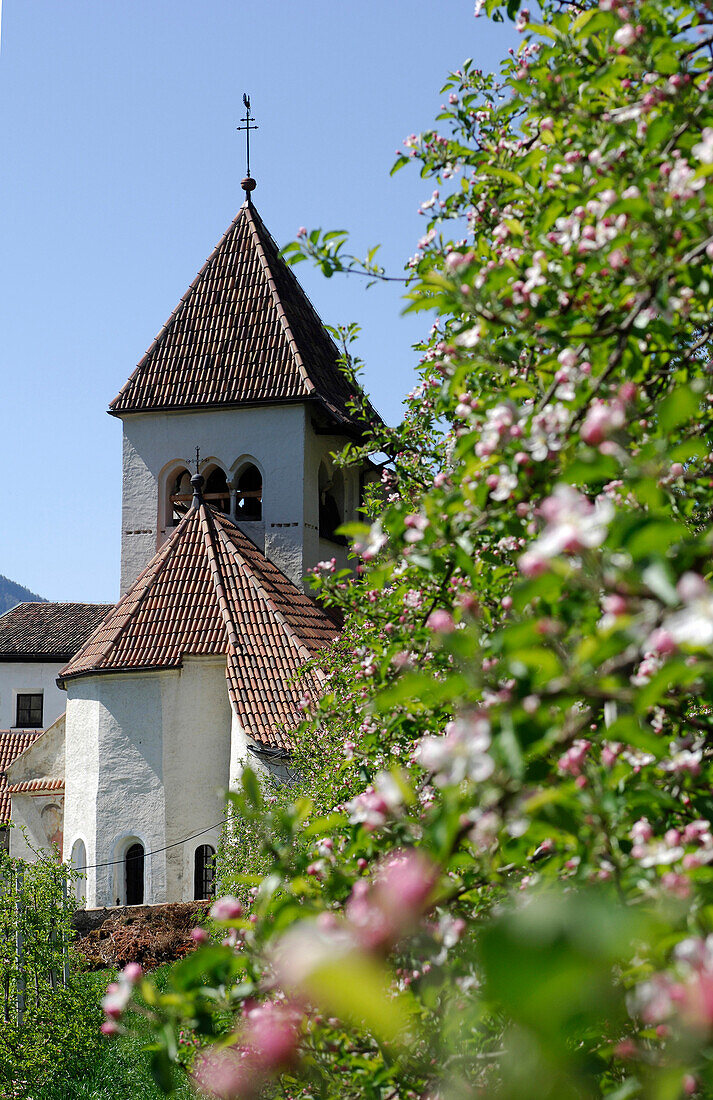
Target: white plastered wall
{"x":147,"y":761}
{"x":196,"y":761}
{"x":155,"y":444}
{"x":30,"y":678}
{"x":38,"y":818}
{"x":279,"y":439}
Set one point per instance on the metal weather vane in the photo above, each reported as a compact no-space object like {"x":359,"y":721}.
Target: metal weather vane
{"x":249,"y":125}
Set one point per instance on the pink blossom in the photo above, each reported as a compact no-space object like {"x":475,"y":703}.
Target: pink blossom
{"x":374,"y":807}
{"x":109,"y":1027}
{"x":131,"y":973}
{"x":692,"y":587}
{"x":441,"y":621}
{"x":677,"y":885}
{"x":568,"y":358}
{"x":625,"y":36}
{"x":601,"y":420}
{"x":610,"y":753}
{"x":571,"y":762}
{"x":271,"y":1036}
{"x":703,"y":150}
{"x":641,"y":831}
{"x":615,"y":604}
{"x":460,"y":754}
{"x":693,"y":625}
{"x":382,"y":913}
{"x":531,"y":564}
{"x":116,"y":998}
{"x":199,"y":935}
{"x":226,"y":908}
{"x":661,"y":641}
{"x":696,"y":831}
{"x":224,"y":1075}
{"x":573,"y":524}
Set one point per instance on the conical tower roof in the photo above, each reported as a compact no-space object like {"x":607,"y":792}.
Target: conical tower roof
{"x":244,"y":333}
{"x":210,"y":590}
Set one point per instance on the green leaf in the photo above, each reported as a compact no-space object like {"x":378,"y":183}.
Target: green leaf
{"x":251,"y":786}
{"x":632,"y":732}
{"x":211,"y":965}
{"x":679,"y":407}
{"x":675,"y":673}
{"x":162,"y":1070}
{"x":658,"y":132}
{"x":358,"y":989}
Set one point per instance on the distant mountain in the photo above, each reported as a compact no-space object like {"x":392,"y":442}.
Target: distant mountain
{"x":12,"y":594}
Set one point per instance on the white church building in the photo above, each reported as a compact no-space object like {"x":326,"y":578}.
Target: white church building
{"x":197,"y":669}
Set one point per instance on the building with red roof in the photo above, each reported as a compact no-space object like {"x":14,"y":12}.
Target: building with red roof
{"x":202,"y":665}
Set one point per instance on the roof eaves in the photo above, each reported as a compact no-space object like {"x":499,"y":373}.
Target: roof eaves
{"x":119,"y":670}
{"x":200,"y":405}
{"x":33,"y":657}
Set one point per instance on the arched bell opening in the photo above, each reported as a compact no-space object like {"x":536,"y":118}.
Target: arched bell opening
{"x":179,"y":496}
{"x":248,"y":494}
{"x":216,"y":490}
{"x":331,"y":504}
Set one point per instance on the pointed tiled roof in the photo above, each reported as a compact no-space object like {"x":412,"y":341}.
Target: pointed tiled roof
{"x":210,"y":590}
{"x":244,"y":333}
{"x":12,"y":743}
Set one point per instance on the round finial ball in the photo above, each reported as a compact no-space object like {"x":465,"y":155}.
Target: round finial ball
{"x":248,"y":184}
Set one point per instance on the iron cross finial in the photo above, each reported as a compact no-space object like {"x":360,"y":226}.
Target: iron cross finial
{"x":249,"y":125}
{"x":198,"y":460}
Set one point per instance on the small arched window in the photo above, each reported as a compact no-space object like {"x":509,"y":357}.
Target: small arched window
{"x":204,"y":872}
{"x":79,"y":864}
{"x":134,"y":874}
{"x":248,"y":497}
{"x":180,"y":495}
{"x":216,"y":490}
{"x":331,"y":504}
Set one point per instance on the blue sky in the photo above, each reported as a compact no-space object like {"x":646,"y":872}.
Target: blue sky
{"x":120,"y":170}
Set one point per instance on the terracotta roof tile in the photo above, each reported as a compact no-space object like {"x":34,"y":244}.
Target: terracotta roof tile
{"x":210,"y":590}
{"x":48,"y":631}
{"x":36,"y":786}
{"x":243,"y":333}
{"x":12,"y":743}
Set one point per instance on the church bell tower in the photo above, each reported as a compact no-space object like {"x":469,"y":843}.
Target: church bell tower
{"x":244,"y":375}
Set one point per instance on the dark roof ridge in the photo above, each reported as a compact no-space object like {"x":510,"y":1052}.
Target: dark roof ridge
{"x":252,"y":215}
{"x":209,"y":529}
{"x":256,"y":582}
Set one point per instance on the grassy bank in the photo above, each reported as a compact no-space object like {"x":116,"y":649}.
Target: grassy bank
{"x":119,"y":1070}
